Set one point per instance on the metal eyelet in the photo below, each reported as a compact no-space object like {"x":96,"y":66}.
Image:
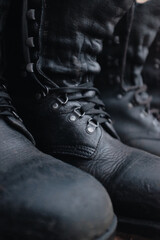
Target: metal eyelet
{"x":30,"y":67}
{"x":155,"y":122}
{"x":55,"y":106}
{"x":117,"y":40}
{"x":78,"y":113}
{"x":130,"y":105}
{"x":30,"y":42}
{"x":143,"y":114}
{"x":119,"y":96}
{"x":91,"y":126}
{"x":156,"y":66}
{"x":31,"y":14}
{"x":72,"y":118}
{"x":63,"y":102}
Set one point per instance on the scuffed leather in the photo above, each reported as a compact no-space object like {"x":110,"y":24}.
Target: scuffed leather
{"x":110,"y":162}
{"x":42,"y":192}
{"x":135,"y":126}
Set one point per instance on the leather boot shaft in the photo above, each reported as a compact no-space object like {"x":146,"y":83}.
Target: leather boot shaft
{"x":70,"y":39}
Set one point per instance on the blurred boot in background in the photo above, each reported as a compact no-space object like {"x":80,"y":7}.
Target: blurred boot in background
{"x":121,"y":82}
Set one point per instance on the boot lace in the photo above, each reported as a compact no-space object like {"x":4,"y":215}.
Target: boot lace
{"x":84,"y":93}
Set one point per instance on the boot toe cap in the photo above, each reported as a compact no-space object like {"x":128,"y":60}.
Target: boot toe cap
{"x":56,"y":201}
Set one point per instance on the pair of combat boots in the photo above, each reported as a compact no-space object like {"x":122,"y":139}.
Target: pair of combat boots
{"x":50,"y":76}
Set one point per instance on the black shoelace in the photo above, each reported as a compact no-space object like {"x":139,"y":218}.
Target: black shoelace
{"x":85,"y":92}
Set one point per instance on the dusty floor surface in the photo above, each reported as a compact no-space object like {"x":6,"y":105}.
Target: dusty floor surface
{"x":129,"y":238}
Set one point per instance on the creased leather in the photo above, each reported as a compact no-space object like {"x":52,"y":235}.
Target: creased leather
{"x":71,"y":34}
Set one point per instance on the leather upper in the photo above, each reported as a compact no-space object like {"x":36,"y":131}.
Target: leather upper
{"x":43,"y":197}
{"x":114,"y":164}
{"x":72,"y":48}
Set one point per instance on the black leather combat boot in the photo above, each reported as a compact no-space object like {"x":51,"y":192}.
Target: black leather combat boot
{"x":61,"y":107}
{"x":121,"y":82}
{"x":41,"y":197}
{"x":151,"y":72}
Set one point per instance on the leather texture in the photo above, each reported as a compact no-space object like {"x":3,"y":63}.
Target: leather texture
{"x":52,"y":107}
{"x":122,"y":86}
{"x":40,"y":196}
{"x":151,"y":72}
{"x":44,"y":197}
{"x":70,"y":49}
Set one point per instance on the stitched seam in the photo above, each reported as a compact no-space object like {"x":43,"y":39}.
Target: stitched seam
{"x":95,"y":152}
{"x":77,"y":150}
{"x":75,"y":146}
{"x":72,"y":153}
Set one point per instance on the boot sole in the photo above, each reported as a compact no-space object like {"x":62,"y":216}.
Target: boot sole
{"x":146,"y":229}
{"x":33,"y":232}
{"x":110,"y":234}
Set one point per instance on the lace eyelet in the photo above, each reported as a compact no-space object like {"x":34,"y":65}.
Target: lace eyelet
{"x":119,"y":96}
{"x":143,"y":114}
{"x":117,"y":40}
{"x":155,"y":122}
{"x":91,"y":126}
{"x":30,"y":67}
{"x":157,"y":66}
{"x":30,"y":42}
{"x":130,"y":105}
{"x":78,"y":113}
{"x":72,"y":118}
{"x":63,"y":102}
{"x":55,"y":106}
{"x":31,"y":14}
